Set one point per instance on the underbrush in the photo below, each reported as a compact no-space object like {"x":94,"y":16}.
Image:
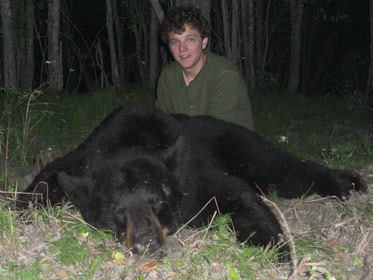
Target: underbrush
{"x":56,"y":120}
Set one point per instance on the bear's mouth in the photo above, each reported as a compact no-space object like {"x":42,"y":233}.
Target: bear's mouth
{"x":146,"y":246}
{"x":146,"y":241}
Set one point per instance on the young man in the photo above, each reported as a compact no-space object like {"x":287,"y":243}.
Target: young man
{"x":199,"y":82}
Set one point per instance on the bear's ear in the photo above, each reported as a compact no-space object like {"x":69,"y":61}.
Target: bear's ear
{"x":75,"y":188}
{"x":173,"y":154}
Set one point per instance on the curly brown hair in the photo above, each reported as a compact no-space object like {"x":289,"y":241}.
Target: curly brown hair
{"x":177,"y":18}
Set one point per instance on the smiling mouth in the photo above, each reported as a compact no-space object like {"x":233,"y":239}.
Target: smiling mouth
{"x":184,"y":56}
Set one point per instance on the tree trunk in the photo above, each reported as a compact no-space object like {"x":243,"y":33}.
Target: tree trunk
{"x":113,"y":55}
{"x":153,"y":53}
{"x":226,"y":27}
{"x":234,"y":38}
{"x":104,"y":81}
{"x":69,"y":60}
{"x":296,"y":15}
{"x":158,"y":10}
{"x":204,"y":6}
{"x":20,"y":41}
{"x":181,"y":2}
{"x":10,"y":67}
{"x":138,"y":30}
{"x":54,"y":50}
{"x":259,"y":38}
{"x":369,"y":87}
{"x":247,"y":18}
{"x":230,"y":29}
{"x":120,"y":49}
{"x":24,"y":41}
{"x":30,"y":62}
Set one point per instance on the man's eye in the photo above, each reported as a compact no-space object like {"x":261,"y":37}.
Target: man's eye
{"x":190,"y":40}
{"x":174,"y":43}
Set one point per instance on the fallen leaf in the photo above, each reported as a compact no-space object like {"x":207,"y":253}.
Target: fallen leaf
{"x":62,"y":274}
{"x":46,"y":261}
{"x":216,"y":266}
{"x":48,"y":235}
{"x":118,"y":257}
{"x":83,"y":233}
{"x":171,"y":274}
{"x":151,"y":265}
{"x":119,"y":261}
{"x":334,"y":243}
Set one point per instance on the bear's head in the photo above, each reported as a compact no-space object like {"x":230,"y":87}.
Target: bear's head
{"x":132,"y":193}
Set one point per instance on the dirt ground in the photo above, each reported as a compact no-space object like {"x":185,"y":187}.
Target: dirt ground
{"x":336,"y":235}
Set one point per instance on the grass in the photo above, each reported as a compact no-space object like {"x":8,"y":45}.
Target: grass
{"x":6,"y":221}
{"x":219,"y":256}
{"x":332,"y":239}
{"x":66,"y":242}
{"x":72,"y":248}
{"x":319,"y":128}
{"x":58,"y":121}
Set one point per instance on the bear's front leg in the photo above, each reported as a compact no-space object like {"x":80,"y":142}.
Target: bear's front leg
{"x":44,"y":190}
{"x":257,"y":225}
{"x":335,"y":182}
{"x":252,"y":219}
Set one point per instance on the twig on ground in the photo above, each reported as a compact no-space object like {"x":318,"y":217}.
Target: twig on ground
{"x":208,"y":228}
{"x":199,"y":212}
{"x":287,"y":232}
{"x":298,"y":267}
{"x":286,"y":225}
{"x":80,"y":220}
{"x":182,"y":242}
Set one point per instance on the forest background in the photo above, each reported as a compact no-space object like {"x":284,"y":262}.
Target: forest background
{"x":316,"y":47}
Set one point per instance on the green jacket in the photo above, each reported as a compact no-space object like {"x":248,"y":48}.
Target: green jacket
{"x":218,"y":90}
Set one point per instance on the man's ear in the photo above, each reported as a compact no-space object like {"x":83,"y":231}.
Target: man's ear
{"x":76,"y":188}
{"x":205,"y":42}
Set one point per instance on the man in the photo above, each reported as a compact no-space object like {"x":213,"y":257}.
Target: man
{"x":199,"y":82}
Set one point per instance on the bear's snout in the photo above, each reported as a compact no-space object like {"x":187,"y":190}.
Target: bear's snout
{"x":144,"y":234}
{"x":147,"y":241}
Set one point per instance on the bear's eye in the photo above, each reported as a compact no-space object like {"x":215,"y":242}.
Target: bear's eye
{"x":156,"y":204}
{"x":152,"y":199}
{"x":155,"y":200}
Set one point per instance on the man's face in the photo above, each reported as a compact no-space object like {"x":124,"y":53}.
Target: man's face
{"x":187,"y":49}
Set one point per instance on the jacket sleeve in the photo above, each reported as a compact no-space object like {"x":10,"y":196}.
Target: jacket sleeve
{"x":163,"y":101}
{"x":230,"y":100}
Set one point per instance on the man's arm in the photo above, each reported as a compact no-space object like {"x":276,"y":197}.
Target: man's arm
{"x":163,"y":101}
{"x":230,"y":100}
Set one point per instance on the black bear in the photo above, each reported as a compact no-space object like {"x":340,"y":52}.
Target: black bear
{"x":143,"y":173}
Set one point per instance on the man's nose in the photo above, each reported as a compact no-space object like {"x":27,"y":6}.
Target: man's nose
{"x":182,"y":47}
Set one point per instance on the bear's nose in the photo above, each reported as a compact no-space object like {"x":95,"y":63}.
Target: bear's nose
{"x":146,"y":242}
